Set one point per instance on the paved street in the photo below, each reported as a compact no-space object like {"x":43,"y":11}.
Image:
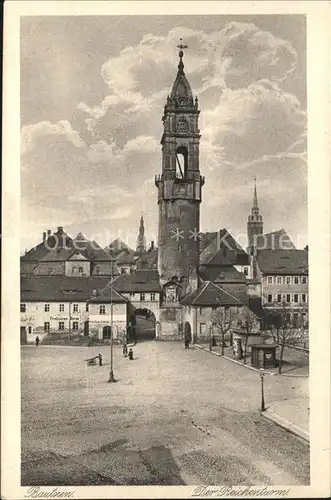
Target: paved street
{"x":174,"y":416}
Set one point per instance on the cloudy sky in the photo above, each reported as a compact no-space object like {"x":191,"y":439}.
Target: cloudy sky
{"x":92,"y":96}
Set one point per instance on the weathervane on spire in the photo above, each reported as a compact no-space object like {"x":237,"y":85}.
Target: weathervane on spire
{"x":181,"y":46}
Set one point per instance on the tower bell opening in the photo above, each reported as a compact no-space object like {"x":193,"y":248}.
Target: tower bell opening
{"x":181,"y":162}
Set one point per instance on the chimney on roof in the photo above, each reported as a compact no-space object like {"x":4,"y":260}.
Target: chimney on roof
{"x":44,"y":236}
{"x":49,"y":232}
{"x":60,"y":228}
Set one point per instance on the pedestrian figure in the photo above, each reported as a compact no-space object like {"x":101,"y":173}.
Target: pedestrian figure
{"x":187,"y":339}
{"x":130,"y":354}
{"x":37,"y":341}
{"x":125,"y":350}
{"x":100,"y":359}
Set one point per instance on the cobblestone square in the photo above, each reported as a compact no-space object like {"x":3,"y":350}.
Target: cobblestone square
{"x":174,"y":416}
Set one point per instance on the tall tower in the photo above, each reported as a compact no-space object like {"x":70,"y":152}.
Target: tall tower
{"x":254,"y":223}
{"x":141,"y":240}
{"x":180,"y":183}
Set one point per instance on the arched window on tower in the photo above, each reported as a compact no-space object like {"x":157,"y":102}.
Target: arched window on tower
{"x":181,"y":162}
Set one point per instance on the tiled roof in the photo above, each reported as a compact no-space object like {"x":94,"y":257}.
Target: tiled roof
{"x":61,"y":288}
{"x":276,"y":240}
{"x":148,"y":260}
{"x":221,"y":249}
{"x":205,"y":239}
{"x":60,"y":247}
{"x":125,"y":257}
{"x":95,"y":253}
{"x":108,"y":294}
{"x":60,"y":240}
{"x":35,"y":254}
{"x":256,"y":307}
{"x":58,"y":254}
{"x":80,"y":237}
{"x":210,"y":294}
{"x":116,"y":246}
{"x":221,"y":274}
{"x":140,"y":280}
{"x":283,"y":261}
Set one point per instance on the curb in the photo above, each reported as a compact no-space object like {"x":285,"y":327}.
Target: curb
{"x":234,"y":361}
{"x":297,"y":348}
{"x":286,"y":424}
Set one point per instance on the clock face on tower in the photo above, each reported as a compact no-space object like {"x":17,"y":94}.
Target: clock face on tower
{"x":182,"y":125}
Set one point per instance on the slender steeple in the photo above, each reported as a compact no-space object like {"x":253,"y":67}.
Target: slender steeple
{"x":255,"y":208}
{"x":254,"y":223}
{"x":141,"y":240}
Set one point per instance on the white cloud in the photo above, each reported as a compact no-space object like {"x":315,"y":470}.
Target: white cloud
{"x":103,"y":151}
{"x":140,"y":76}
{"x":121,"y":213}
{"x":250,"y":123}
{"x":30,"y":134}
{"x":142,"y":144}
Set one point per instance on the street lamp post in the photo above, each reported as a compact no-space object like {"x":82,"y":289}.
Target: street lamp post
{"x":262,"y":389}
{"x":111,"y":372}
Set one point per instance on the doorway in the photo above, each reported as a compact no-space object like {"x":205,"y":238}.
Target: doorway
{"x":142,"y":325}
{"x":106,"y":332}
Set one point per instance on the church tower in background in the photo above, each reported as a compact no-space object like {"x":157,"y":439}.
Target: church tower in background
{"x":180,"y":183}
{"x":141,"y":240}
{"x":254,"y":223}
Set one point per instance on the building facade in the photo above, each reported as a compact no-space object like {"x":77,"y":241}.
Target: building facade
{"x":71,"y":306}
{"x":284,"y":283}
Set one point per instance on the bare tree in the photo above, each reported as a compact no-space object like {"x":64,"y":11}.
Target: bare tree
{"x":284,"y":331}
{"x":247,"y":322}
{"x":223,"y":321}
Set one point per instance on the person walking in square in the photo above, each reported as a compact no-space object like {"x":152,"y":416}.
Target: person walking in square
{"x":37,"y":341}
{"x":187,"y":339}
{"x":130,"y":354}
{"x":125,"y":350}
{"x":100,"y":359}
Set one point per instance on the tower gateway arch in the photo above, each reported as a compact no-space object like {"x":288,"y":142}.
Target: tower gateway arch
{"x":179,"y":196}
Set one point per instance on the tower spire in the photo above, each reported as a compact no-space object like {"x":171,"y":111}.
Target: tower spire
{"x":255,"y":204}
{"x":254,"y":223}
{"x":141,"y":240}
